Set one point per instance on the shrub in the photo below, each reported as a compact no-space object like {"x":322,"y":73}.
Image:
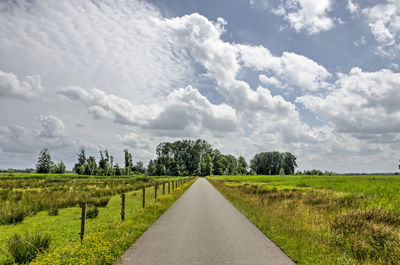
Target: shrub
{"x":25,"y":249}
{"x":12,"y":215}
{"x":366,"y":234}
{"x":101,"y":202}
{"x":52,"y":212}
{"x":92,"y":212}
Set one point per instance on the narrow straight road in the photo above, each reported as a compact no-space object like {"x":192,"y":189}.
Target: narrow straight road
{"x":202,"y":227}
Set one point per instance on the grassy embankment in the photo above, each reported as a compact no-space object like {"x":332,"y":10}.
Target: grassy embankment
{"x":106,"y":237}
{"x":322,"y":219}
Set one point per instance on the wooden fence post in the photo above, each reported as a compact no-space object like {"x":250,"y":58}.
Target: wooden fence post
{"x":155,"y":191}
{"x":123,"y":207}
{"x":163,"y":188}
{"x":144,"y":196}
{"x":83,"y":220}
{"x":169,"y":187}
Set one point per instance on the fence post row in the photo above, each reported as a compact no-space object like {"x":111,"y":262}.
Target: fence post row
{"x":123,"y":207}
{"x":174,"y":186}
{"x":83,"y":220}
{"x":144,"y":196}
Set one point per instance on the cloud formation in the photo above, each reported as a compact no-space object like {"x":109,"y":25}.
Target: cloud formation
{"x":184,"y":107}
{"x":384,"y":22}
{"x":52,"y":126}
{"x":291,"y":68}
{"x":25,"y":88}
{"x":151,"y":78}
{"x":307,"y":15}
{"x":362,"y":103}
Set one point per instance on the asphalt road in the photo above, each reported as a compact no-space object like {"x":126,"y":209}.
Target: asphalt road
{"x":202,"y":227}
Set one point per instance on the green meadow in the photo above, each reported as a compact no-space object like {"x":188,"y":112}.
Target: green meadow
{"x":323,"y":219}
{"x":37,"y":195}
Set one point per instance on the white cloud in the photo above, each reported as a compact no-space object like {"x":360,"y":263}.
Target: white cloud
{"x":269,"y":80}
{"x":362,"y":103}
{"x":202,"y":39}
{"x":360,"y":42}
{"x":384,"y":22}
{"x":184,"y":107}
{"x":187,"y":106}
{"x":52,"y":126}
{"x":131,"y":66}
{"x":293,"y":69}
{"x":352,"y":7}
{"x":113,"y":45}
{"x":26,"y":88}
{"x":134,"y":140}
{"x":102,"y":105}
{"x":308,"y":15}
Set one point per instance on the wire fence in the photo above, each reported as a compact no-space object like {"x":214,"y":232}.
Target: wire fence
{"x":160,"y":188}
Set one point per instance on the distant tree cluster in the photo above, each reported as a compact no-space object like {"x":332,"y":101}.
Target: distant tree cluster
{"x":316,"y":172}
{"x":188,"y":157}
{"x":46,"y":165}
{"x":106,"y":166}
{"x":179,"y":158}
{"x":273,"y":163}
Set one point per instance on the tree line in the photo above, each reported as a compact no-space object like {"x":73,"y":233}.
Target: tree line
{"x":179,"y":158}
{"x":188,"y":157}
{"x":106,"y":166}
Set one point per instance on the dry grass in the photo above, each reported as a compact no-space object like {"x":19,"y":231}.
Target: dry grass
{"x":318,"y":226}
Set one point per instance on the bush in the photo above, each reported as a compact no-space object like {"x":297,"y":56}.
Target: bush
{"x":52,"y":212}
{"x":12,"y":215}
{"x":25,"y":249}
{"x":92,"y":212}
{"x":101,"y":202}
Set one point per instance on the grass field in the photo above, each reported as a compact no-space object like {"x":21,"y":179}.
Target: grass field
{"x":322,"y":219}
{"x":64,"y":228}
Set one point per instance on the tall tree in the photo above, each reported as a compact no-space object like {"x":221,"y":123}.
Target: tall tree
{"x":44,"y":163}
{"x":139,"y":168}
{"x":128,"y":161}
{"x":91,"y":166}
{"x":242,"y":166}
{"x":79,"y":167}
{"x":60,"y":168}
{"x":151,"y":168}
{"x":273,"y":163}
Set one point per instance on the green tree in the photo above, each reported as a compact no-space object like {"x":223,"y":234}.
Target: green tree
{"x":242,"y":166}
{"x":139,"y":168}
{"x":207,"y":165}
{"x":128,"y":161}
{"x":106,"y":163}
{"x":151,"y":169}
{"x":91,"y":166}
{"x":60,"y":168}
{"x":118,"y":171}
{"x":271,"y":163}
{"x":289,"y":163}
{"x":44,"y":163}
{"x":80,"y":167}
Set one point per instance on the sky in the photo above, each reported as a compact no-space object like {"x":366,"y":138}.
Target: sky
{"x":319,"y":79}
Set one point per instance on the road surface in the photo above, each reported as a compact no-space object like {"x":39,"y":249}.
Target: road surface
{"x":202,"y":227}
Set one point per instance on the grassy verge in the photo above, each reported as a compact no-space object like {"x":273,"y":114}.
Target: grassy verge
{"x":107,"y":237}
{"x":316,"y":222}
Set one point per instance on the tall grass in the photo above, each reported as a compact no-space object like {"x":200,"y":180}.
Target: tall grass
{"x":25,"y":197}
{"x":64,"y":228}
{"x":322,"y":220}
